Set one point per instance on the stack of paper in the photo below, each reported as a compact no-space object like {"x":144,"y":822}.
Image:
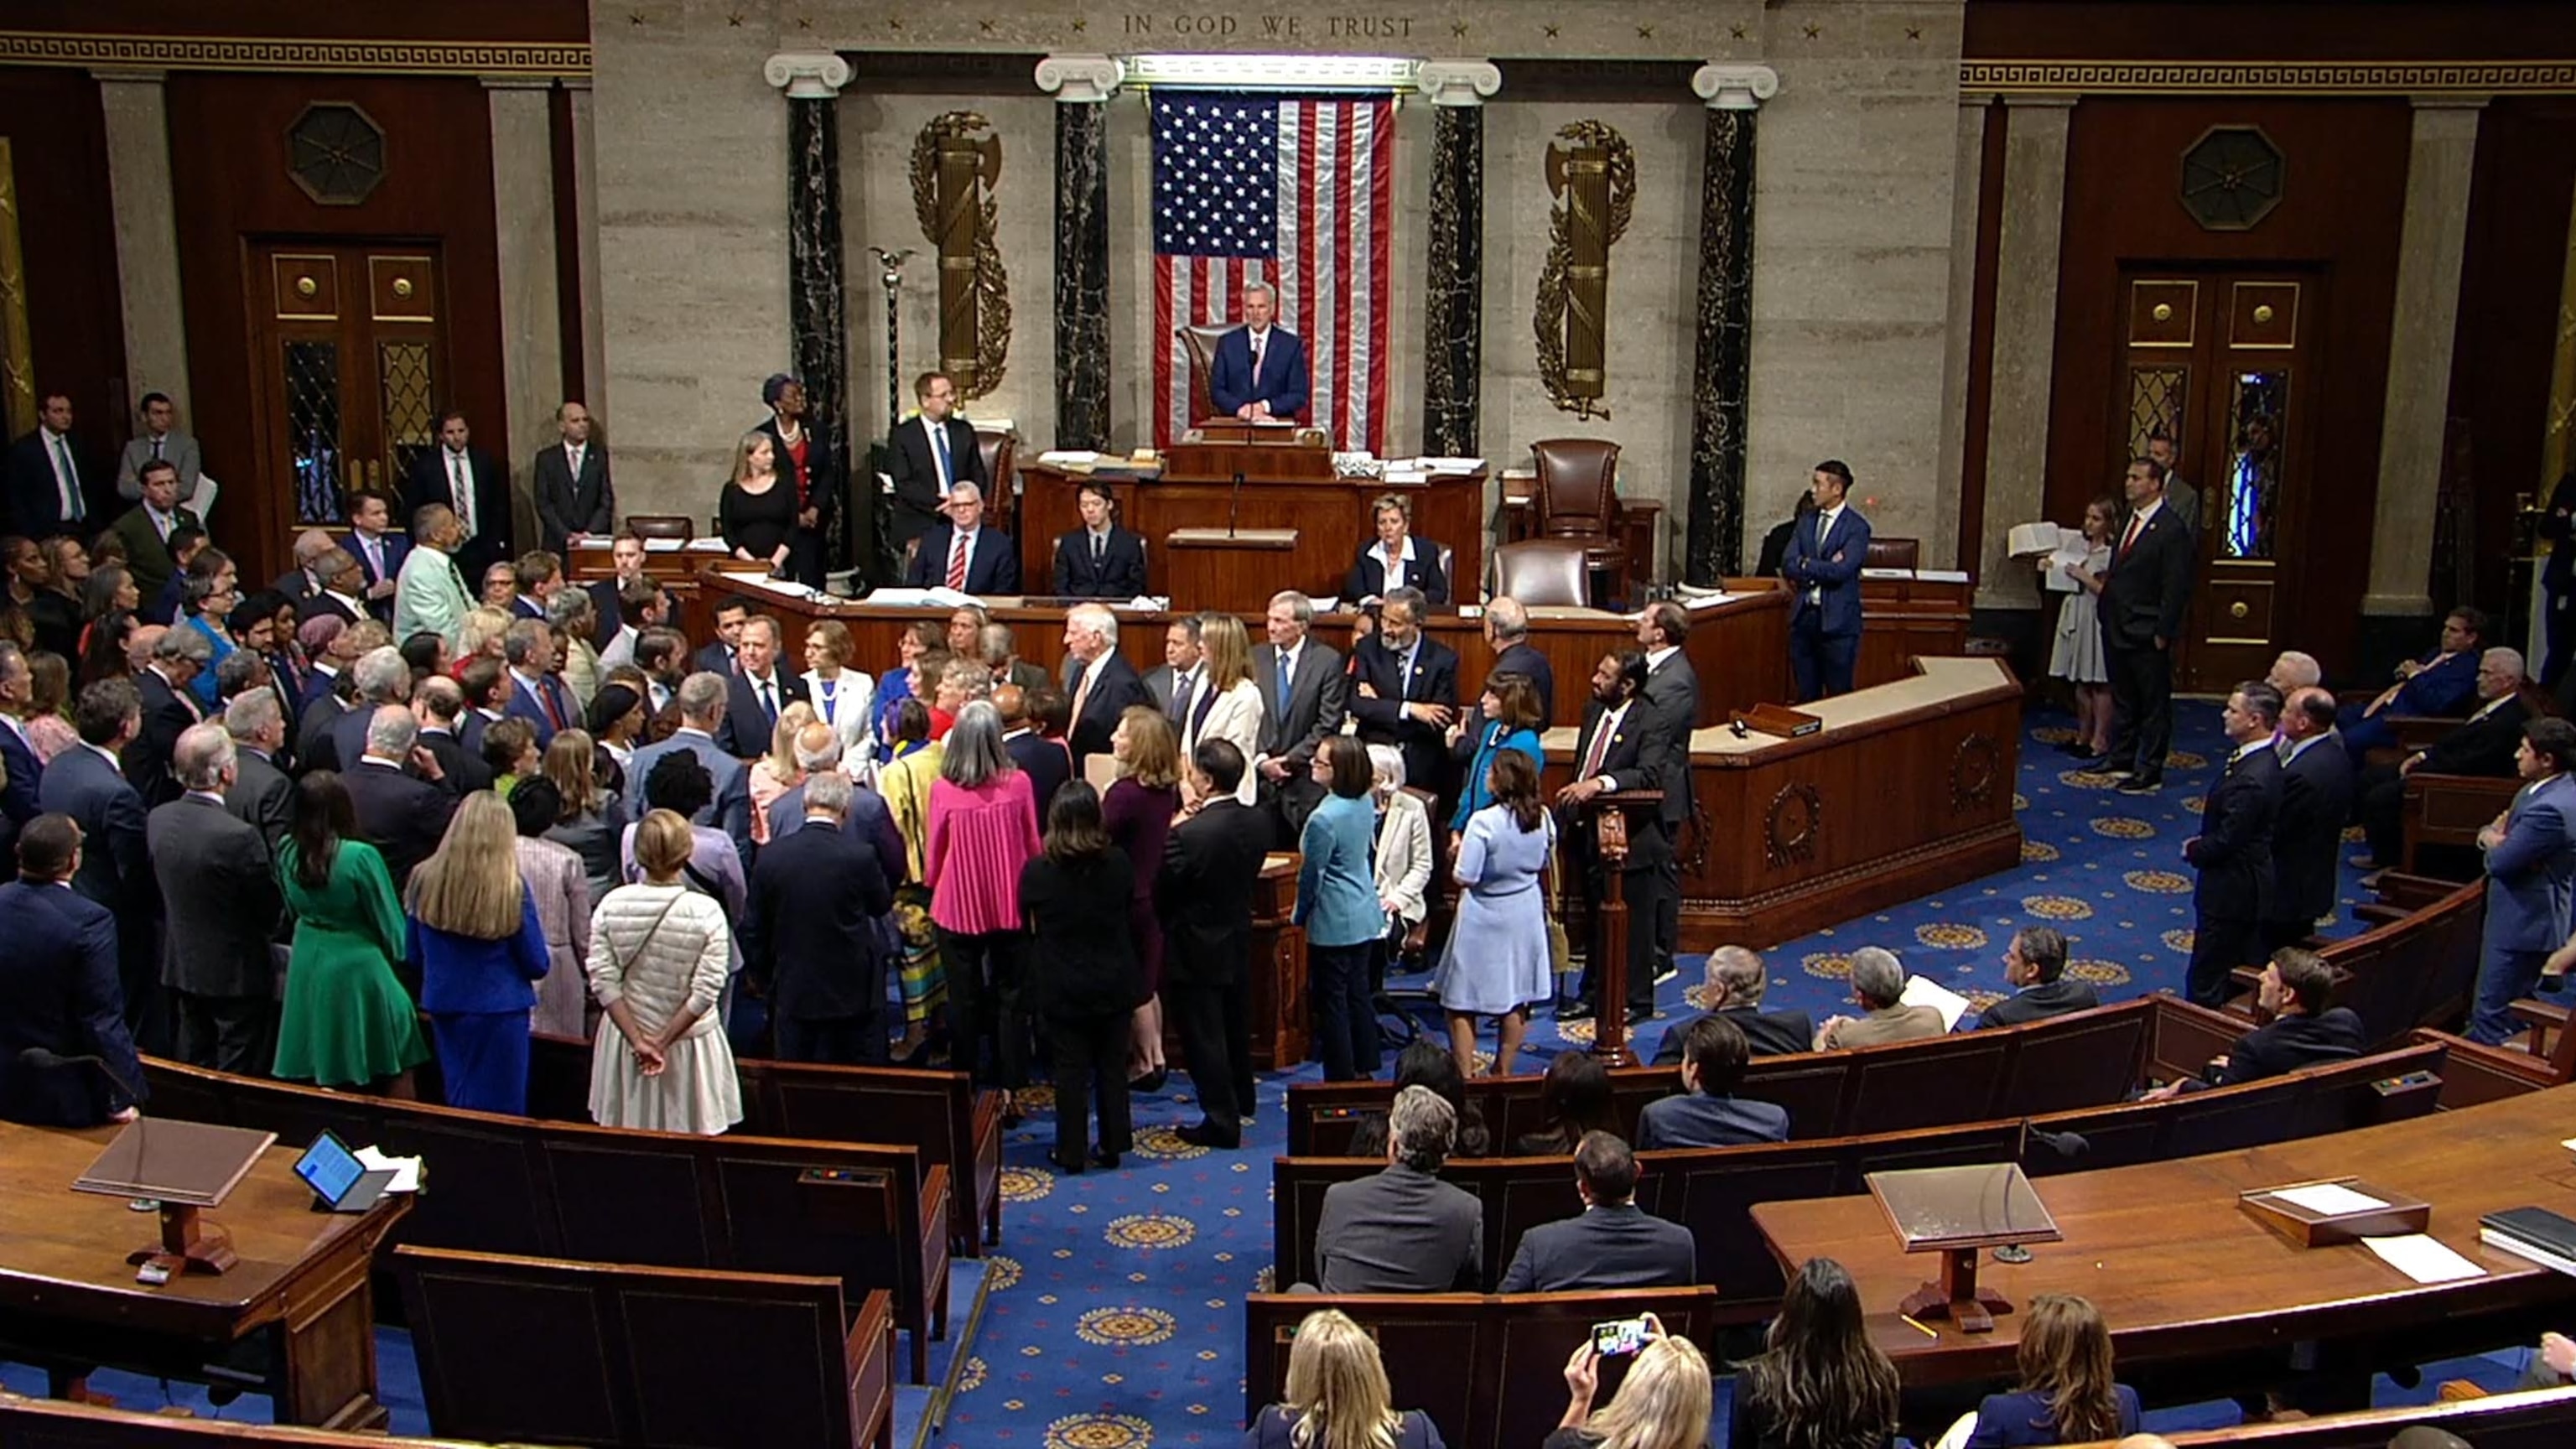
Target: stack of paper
{"x":920,"y":598}
{"x":2028,"y":539}
{"x":406,"y":1170}
{"x":1068,"y":457}
{"x":1705,"y":601}
{"x":2423,"y":1257}
{"x":1449,"y":465}
{"x":1923,"y":991}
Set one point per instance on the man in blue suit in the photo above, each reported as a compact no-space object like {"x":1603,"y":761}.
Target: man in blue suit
{"x":1708,"y":1113}
{"x":2531,"y":871}
{"x":537,"y":693}
{"x":17,"y":754}
{"x":818,"y":933}
{"x":86,"y":783}
{"x":379,"y":554}
{"x":1612,"y":1243}
{"x":701,"y":703}
{"x":963,"y":554}
{"x":1259,"y":371}
{"x":2444,"y":683}
{"x":59,"y":991}
{"x":1823,"y":564}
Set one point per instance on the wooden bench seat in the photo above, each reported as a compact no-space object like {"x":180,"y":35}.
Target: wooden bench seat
{"x":1712,"y":1191}
{"x":2533,"y":1419}
{"x":516,"y":1185}
{"x":2416,"y":966}
{"x":940,"y":1113}
{"x":645,"y":1356}
{"x":1486,"y":1369}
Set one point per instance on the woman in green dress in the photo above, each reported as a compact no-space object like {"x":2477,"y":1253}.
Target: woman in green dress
{"x":348,"y":1022}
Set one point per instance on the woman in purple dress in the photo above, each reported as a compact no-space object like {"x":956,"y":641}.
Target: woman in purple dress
{"x":1139,"y":809}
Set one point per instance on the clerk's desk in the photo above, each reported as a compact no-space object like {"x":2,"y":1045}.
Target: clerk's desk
{"x":295,"y":1318}
{"x":1740,"y":647}
{"x":1907,"y":789}
{"x":2180,"y":1272}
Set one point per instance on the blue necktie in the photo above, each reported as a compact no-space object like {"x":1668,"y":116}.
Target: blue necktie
{"x":947,"y":468}
{"x":1283,"y":686}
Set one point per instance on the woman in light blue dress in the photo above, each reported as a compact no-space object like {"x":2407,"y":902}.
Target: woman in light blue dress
{"x":1496,"y":963}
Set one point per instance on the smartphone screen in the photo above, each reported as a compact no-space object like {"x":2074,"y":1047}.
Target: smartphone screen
{"x":1619,"y":1336}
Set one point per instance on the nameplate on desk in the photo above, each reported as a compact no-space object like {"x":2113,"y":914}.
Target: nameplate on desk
{"x":1772,"y":719}
{"x":2335,"y":1210}
{"x":1263,"y":538}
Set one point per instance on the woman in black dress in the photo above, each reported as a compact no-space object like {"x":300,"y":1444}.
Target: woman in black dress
{"x":756,"y":513}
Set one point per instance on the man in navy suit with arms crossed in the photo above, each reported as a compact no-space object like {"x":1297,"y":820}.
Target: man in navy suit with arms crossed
{"x":1823,"y":564}
{"x":2531,"y":868}
{"x":1259,"y":371}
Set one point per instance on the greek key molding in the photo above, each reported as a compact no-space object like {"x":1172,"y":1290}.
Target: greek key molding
{"x":344,"y":57}
{"x":2310,"y":77}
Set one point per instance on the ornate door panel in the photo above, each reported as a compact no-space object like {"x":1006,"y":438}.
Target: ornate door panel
{"x":2220,"y":363}
{"x":348,"y":369}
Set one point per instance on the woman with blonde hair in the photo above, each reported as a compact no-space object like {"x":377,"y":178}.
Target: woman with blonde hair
{"x":2066,"y":1394}
{"x":1227,"y":704}
{"x":1138,"y":810}
{"x":1337,"y":1395}
{"x":776,"y":773}
{"x":844,"y":697}
{"x":479,"y":635}
{"x":479,"y":945}
{"x":756,"y":515}
{"x":1663,"y":1403}
{"x":659,"y":957}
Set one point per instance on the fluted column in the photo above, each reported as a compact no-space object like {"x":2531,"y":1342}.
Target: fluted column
{"x":1453,"y":310}
{"x":1082,"y":86}
{"x":2033,"y":204}
{"x":1714,"y":544}
{"x":817,"y":305}
{"x":147,"y":236}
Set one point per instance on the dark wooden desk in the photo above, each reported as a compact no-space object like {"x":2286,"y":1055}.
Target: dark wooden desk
{"x":1901,"y":619}
{"x":297,"y":1315}
{"x":2180,"y":1272}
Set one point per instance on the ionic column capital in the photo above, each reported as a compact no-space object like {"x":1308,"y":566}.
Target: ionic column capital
{"x":807,"y":75}
{"x":1728,"y":86}
{"x":1080,"y":79}
{"x":1458,"y":82}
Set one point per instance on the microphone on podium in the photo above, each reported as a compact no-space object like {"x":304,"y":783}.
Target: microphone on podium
{"x":1234,"y":503}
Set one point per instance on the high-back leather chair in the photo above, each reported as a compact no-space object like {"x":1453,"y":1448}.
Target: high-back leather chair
{"x":1543,"y":571}
{"x":1894,"y":553}
{"x":1578,"y":500}
{"x":998,"y":450}
{"x":661,"y":525}
{"x":1199,"y":341}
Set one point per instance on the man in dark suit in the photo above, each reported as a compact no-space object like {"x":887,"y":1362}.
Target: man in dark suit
{"x":2316,"y":800}
{"x":1048,"y":763}
{"x":2143,"y":597}
{"x":1210,"y":869}
{"x":220,"y":900}
{"x":339,"y":586}
{"x":2483,"y":744}
{"x":575,"y":498}
{"x":717,"y":655}
{"x":804,"y":457}
{"x":817,"y":933}
{"x":169,"y":707}
{"x":1403,"y":1230}
{"x":403,"y":817}
{"x":1823,"y":564}
{"x":2233,"y":852}
{"x":2303,"y":1031}
{"x":1733,"y":987}
{"x":439,"y":703}
{"x":2443,"y":683}
{"x":1506,"y":627}
{"x":1397,"y":560}
{"x":260,"y":792}
{"x":626,"y":558}
{"x":962,"y":554}
{"x":1672,"y":693}
{"x":86,"y":783}
{"x":1303,"y":697}
{"x":1621,"y":747}
{"x":379,"y":554}
{"x":1259,"y":371}
{"x":536,"y":693}
{"x":818,"y":753}
{"x":1099,"y":560}
{"x":380,"y":677}
{"x":1707,"y":1113}
{"x":1098,"y":679}
{"x":756,"y":692}
{"x":700,"y":705}
{"x":928,"y":456}
{"x":1613,"y":1243}
{"x":49,"y":491}
{"x":59,"y":991}
{"x":2035,"y":965}
{"x":474,"y":484}
{"x":2531,"y":871}
{"x":18,"y":759}
{"x":1404,"y":690}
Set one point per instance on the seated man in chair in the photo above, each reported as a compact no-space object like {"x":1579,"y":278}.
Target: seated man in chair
{"x":1259,"y":370}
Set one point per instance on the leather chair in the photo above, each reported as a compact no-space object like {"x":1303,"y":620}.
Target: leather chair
{"x":998,"y":450}
{"x":662,"y":525}
{"x":1543,"y":571}
{"x":1199,"y":341}
{"x":1893,"y":553}
{"x":1578,"y":499}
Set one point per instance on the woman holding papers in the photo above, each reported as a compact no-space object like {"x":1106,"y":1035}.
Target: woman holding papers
{"x":2076,"y":653}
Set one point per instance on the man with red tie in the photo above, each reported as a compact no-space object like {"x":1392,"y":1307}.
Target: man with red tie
{"x":1259,"y":371}
{"x":1621,"y":748}
{"x":537,"y":694}
{"x":963,"y":554}
{"x":2143,"y":596}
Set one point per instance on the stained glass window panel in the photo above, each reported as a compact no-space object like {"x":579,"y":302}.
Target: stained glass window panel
{"x":2254,"y":465}
{"x":312,"y":377}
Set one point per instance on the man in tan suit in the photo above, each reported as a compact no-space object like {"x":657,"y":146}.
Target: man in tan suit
{"x":1878,"y":984}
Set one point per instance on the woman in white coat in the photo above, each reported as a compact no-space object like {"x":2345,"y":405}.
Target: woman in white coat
{"x":1227,"y":704}
{"x":843,"y":697}
{"x":1403,"y":854}
{"x":659,"y":952}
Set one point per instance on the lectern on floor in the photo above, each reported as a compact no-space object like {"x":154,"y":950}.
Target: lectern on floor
{"x":1610,"y":923}
{"x":1956,"y":1212}
{"x":186,"y":1167}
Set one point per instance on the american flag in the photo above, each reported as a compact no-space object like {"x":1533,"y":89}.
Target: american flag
{"x":1295,"y":192}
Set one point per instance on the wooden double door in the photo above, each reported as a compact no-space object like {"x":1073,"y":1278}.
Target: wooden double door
{"x":348,"y":373}
{"x":2221,"y":362}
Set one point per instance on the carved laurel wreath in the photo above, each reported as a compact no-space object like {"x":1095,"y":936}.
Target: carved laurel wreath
{"x":992,"y":280}
{"x":1550,"y":318}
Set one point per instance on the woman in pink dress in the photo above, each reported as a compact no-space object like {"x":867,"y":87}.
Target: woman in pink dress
{"x":983,"y":829}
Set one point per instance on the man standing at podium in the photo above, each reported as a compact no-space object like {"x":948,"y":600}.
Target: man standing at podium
{"x":1259,"y":370}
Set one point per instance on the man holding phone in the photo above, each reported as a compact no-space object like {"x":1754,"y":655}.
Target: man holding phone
{"x":1614,"y":1244}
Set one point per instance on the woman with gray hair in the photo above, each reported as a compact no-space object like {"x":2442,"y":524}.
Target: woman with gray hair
{"x":1878,"y":987}
{"x":1403,"y":859}
{"x":983,"y":832}
{"x":575,"y":618}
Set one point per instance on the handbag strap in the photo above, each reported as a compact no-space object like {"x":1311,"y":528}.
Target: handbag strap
{"x":623,"y":961}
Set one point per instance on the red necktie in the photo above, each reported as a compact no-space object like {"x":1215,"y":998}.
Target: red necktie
{"x":957,"y":562}
{"x":546,"y":697}
{"x":1600,"y":747}
{"x":2137,"y":522}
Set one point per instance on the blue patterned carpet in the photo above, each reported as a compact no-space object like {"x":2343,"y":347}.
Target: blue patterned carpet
{"x":1114,"y":1319}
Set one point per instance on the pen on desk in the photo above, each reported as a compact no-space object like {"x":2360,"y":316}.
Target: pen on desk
{"x":1912,"y":1322}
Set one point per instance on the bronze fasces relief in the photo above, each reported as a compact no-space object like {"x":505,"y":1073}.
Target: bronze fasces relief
{"x":956,"y":166}
{"x":1593,"y":176}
